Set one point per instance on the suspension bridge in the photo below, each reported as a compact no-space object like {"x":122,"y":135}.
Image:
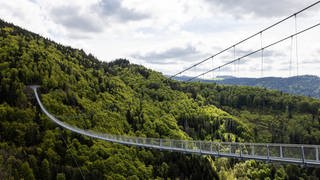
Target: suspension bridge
{"x":286,"y":153}
{"x":302,"y":154}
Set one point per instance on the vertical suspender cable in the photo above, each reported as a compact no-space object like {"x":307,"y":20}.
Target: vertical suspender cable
{"x":235,"y":64}
{"x":291,"y":55}
{"x":296,"y":30}
{"x":212,"y":67}
{"x":261,"y":54}
{"x":238,"y":68}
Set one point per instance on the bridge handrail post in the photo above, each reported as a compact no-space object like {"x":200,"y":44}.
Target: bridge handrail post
{"x":302,"y":154}
{"x":160,"y":142}
{"x":281,"y":152}
{"x":252,"y":149}
{"x":268,"y":152}
{"x":211,"y":147}
{"x":219,"y":146}
{"x":317,"y":153}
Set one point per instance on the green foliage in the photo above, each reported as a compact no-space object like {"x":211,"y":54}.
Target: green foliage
{"x":26,"y":171}
{"x":45,"y":169}
{"x":61,"y":176}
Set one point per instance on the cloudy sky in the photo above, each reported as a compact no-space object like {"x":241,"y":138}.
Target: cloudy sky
{"x":170,"y":35}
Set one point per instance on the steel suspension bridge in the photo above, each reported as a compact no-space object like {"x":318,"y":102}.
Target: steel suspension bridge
{"x":287,"y":153}
{"x":302,"y":154}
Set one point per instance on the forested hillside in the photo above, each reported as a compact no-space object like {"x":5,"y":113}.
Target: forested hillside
{"x":123,"y":98}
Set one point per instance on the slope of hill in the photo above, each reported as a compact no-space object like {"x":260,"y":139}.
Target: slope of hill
{"x":123,"y":98}
{"x":115,"y":97}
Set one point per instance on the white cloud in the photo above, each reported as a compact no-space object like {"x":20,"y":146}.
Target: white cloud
{"x":172,"y":53}
{"x":115,"y":9}
{"x":76,"y":20}
{"x":262,"y":8}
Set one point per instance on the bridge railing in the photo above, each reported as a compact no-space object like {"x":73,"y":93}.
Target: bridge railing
{"x":295,"y":153}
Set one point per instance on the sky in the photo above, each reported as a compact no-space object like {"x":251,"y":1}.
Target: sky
{"x":171,"y":35}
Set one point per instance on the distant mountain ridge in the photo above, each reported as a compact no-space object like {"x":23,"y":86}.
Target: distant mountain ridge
{"x":306,"y":85}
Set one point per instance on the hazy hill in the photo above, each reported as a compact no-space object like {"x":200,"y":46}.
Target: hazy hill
{"x":123,"y":98}
{"x":306,"y":85}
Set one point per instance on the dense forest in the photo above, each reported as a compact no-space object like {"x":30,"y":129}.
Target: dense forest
{"x":123,"y":98}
